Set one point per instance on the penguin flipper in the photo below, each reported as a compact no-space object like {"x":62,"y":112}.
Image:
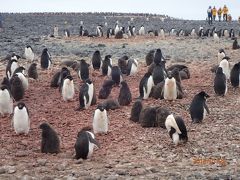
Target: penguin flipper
{"x":205,"y":106}
{"x":93,"y":140}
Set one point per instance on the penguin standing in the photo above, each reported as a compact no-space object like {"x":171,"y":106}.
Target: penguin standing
{"x":106,"y":89}
{"x":17,"y":89}
{"x":149,"y":57}
{"x":220,"y":82}
{"x":141,"y":31}
{"x":224,"y":64}
{"x":198,"y":107}
{"x":109,"y":32}
{"x":86,"y":95}
{"x":122,"y":64}
{"x":6,"y":102}
{"x":159,"y":73}
{"x":59,"y":76}
{"x":100,"y":120}
{"x":176,"y":129}
{"x":116,"y":75}
{"x":235,"y":44}
{"x":99,"y":31}
{"x":24,"y":80}
{"x":110,"y":104}
{"x":28,"y":53}
{"x":50,"y":141}
{"x":11,"y":67}
{"x":68,"y":88}
{"x":125,"y":96}
{"x":85,"y":144}
{"x":221,"y":55}
{"x":83,"y":71}
{"x":45,"y":59}
{"x":66,"y":32}
{"x":162,"y":34}
{"x":21,"y":122}
{"x":136,"y":110}
{"x":32,"y":71}
{"x":158,"y":57}
{"x":132,"y":67}
{"x":145,"y":85}
{"x":96,"y":60}
{"x":235,"y":75}
{"x":107,"y":62}
{"x":170,"y":89}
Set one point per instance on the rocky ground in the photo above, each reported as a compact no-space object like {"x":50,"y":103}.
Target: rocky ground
{"x":128,"y":151}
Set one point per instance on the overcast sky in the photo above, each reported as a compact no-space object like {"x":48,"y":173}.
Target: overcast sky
{"x":186,"y":9}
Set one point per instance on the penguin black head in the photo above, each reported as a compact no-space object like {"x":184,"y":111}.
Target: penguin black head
{"x":221,"y":50}
{"x":20,"y":105}
{"x":159,"y":50}
{"x":28,"y":46}
{"x":219,"y":70}
{"x":3,"y":87}
{"x":15,"y":56}
{"x":87,"y":128}
{"x":69,"y":77}
{"x":226,"y":57}
{"x":108,"y":57}
{"x":45,"y":50}
{"x":148,"y":74}
{"x":101,"y":107}
{"x":44,"y":126}
{"x":88,"y":81}
{"x":97,"y":52}
{"x":34,"y":64}
{"x":203,"y":94}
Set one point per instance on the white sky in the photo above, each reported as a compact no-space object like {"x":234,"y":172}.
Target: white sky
{"x":186,"y":9}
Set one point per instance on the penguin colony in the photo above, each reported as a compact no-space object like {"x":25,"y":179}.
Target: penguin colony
{"x":158,"y":82}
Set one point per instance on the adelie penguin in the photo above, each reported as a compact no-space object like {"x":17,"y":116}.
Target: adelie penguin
{"x":83,"y":71}
{"x":235,"y":75}
{"x":125,"y":96}
{"x":116,"y":75}
{"x":85,"y":144}
{"x":68,"y":88}
{"x":123,"y":64}
{"x":110,"y":104}
{"x":50,"y":141}
{"x":235,"y":44}
{"x":11,"y":67}
{"x":224,"y":64}
{"x":149,"y":57}
{"x":46,"y":60}
{"x":132,"y":67}
{"x":86,"y":95}
{"x":220,"y":82}
{"x":159,"y":73}
{"x":183,"y":70}
{"x":21,"y":121}
{"x":136,"y":110}
{"x":96,"y":60}
{"x":176,"y":129}
{"x":24,"y":80}
{"x":17,"y":89}
{"x":66,"y":32}
{"x":221,"y":54}
{"x":198,"y":107}
{"x":58,"y":77}
{"x":100,"y":120}
{"x":6,"y":101}
{"x":158,"y":57}
{"x":32,"y":71}
{"x":172,"y":89}
{"x":28,"y":53}
{"x":146,"y":85}
{"x":106,"y":65}
{"x":106,"y":89}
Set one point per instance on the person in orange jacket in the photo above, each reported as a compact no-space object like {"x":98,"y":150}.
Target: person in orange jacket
{"x":219,"y":14}
{"x":214,"y":13}
{"x":225,"y":12}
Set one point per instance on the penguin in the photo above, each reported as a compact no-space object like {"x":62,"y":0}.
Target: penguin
{"x":141,"y":31}
{"x":105,"y":65}
{"x":17,"y":89}
{"x":158,"y":57}
{"x":136,"y":110}
{"x":46,"y":60}
{"x":119,"y":34}
{"x":221,"y":54}
{"x":55,"y":31}
{"x":106,"y":89}
{"x":159,"y":73}
{"x":99,"y":31}
{"x":225,"y":33}
{"x":193,"y":32}
{"x":176,"y":129}
{"x":171,"y":90}
{"x":224,"y":64}
{"x":125,"y":96}
{"x":231,"y":34}
{"x":50,"y":141}
{"x":235,"y":44}
{"x":59,"y":76}
{"x":183,"y":70}
{"x":24,"y":80}
{"x":6,"y":101}
{"x":85,"y":144}
{"x":109,"y":32}
{"x":28,"y":53}
{"x":11,"y":67}
{"x":220,"y":82}
{"x":132,"y":67}
{"x":215,"y":37}
{"x":86,"y":94}
{"x":66,"y":32}
{"x":123,"y":64}
{"x":32,"y":71}
{"x":116,"y":75}
{"x":147,"y":117}
{"x":68,"y":88}
{"x":162,"y":33}
{"x":6,"y":83}
{"x":96,"y":60}
{"x":149,"y":57}
{"x":172,"y":32}
{"x":145,"y":85}
{"x":235,"y":75}
{"x":117,"y":29}
{"x":20,"y":69}
{"x":21,"y":121}
{"x":83,"y":71}
{"x":100,"y":120}
{"x":198,"y":107}
{"x":110,"y":104}
{"x":156,"y":33}
{"x":161,"y":116}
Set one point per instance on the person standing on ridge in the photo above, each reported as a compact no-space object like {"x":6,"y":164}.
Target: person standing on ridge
{"x":209,"y":12}
{"x":225,"y":13}
{"x":214,"y":13}
{"x":219,"y":14}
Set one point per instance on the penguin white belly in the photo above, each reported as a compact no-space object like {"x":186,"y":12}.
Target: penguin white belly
{"x":100,"y":122}
{"x":224,"y":64}
{"x":90,"y":94}
{"x":24,"y":80}
{"x":162,"y":33}
{"x":29,"y":55}
{"x":109,"y":72}
{"x":204,"y":113}
{"x":79,"y":74}
{"x":49,"y":63}
{"x":134,"y":69}
{"x":68,"y":90}
{"x":90,"y":149}
{"x":21,"y":122}
{"x":175,"y":138}
{"x":6,"y":103}
{"x":170,"y":92}
{"x":215,"y":37}
{"x":14,"y":66}
{"x":226,"y":88}
{"x":149,"y":88}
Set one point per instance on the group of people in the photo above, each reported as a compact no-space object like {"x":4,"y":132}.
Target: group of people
{"x":213,"y":12}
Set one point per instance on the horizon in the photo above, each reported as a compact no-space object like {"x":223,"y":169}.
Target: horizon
{"x":172,"y":8}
